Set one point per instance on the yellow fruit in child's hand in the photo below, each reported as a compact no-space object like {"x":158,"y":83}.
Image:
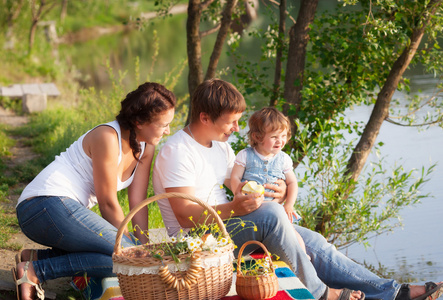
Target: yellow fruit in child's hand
{"x":252,"y":187}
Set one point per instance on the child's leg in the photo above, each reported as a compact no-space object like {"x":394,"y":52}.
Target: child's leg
{"x":301,"y":242}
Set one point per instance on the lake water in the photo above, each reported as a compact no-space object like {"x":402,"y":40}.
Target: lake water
{"x":413,"y":252}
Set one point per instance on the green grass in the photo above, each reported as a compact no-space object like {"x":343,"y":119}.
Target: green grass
{"x":8,"y":227}
{"x":5,"y":142}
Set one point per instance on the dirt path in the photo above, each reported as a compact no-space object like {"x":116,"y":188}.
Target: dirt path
{"x":20,"y":154}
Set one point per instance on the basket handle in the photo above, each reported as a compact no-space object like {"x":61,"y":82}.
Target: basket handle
{"x":240,"y":253}
{"x":212,"y":212}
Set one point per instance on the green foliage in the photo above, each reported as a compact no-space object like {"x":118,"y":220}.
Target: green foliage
{"x":377,"y":198}
{"x":350,"y":53}
{"x":257,"y":89}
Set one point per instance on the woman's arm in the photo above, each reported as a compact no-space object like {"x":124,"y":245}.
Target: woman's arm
{"x":101,"y":144}
{"x":137,"y":192}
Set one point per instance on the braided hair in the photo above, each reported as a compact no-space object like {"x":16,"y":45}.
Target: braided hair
{"x":141,"y":106}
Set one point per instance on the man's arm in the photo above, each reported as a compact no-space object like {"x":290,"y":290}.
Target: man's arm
{"x":189,"y":213}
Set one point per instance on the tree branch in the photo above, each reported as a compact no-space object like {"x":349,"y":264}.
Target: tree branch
{"x":210,"y":31}
{"x":439,"y":120}
{"x":287,"y":12}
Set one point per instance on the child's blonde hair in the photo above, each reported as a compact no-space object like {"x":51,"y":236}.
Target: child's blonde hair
{"x":265,"y":120}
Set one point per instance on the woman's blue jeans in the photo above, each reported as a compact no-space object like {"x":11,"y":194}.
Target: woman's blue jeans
{"x":327,"y":267}
{"x":82,"y":241}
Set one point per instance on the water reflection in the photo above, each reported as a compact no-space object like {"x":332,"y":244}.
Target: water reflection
{"x":121,"y":51}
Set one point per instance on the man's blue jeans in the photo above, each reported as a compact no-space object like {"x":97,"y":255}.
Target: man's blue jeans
{"x":328,"y":266}
{"x":82,"y":241}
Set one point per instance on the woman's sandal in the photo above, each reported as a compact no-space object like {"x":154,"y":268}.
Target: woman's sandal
{"x":433,"y":291}
{"x":38,"y":287}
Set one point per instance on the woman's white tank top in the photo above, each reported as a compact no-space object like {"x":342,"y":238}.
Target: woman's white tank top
{"x":70,"y":174}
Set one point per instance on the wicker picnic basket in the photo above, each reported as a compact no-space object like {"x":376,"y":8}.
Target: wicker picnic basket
{"x":205,"y":275}
{"x":256,"y":287}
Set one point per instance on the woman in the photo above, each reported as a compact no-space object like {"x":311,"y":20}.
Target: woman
{"x":53,"y":210}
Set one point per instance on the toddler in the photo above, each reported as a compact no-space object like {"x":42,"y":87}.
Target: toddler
{"x":264,"y":162}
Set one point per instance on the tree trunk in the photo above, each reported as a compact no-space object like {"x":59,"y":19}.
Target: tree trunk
{"x":193,"y":47}
{"x":221,"y":37}
{"x":64,"y":10}
{"x":381,"y":108}
{"x":278,"y":62}
{"x":298,"y":41}
{"x":32,"y":34}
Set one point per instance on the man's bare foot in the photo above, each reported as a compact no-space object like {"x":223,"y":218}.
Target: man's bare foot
{"x":334,"y":294}
{"x":418,"y":290}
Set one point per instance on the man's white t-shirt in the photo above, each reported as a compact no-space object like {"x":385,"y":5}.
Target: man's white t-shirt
{"x":182,"y":162}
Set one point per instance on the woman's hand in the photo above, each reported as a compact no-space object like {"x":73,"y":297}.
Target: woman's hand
{"x":279,"y":190}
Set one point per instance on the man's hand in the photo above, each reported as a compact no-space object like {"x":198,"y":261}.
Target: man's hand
{"x":245,"y":204}
{"x":280,"y":190}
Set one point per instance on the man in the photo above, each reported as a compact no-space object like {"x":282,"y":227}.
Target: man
{"x":198,"y":160}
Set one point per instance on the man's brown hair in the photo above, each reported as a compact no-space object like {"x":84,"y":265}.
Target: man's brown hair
{"x":216,"y":97}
